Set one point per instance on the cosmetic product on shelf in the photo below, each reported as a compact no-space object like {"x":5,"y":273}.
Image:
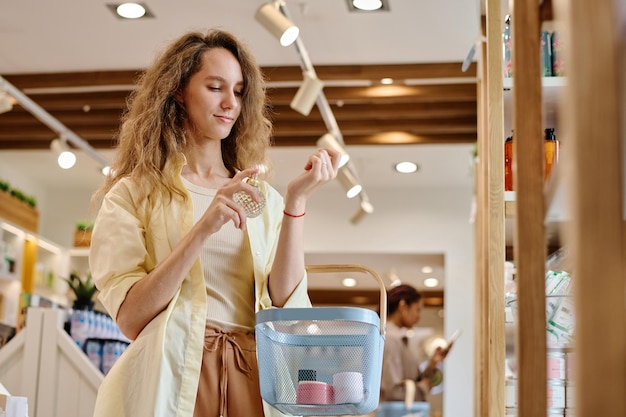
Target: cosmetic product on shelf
{"x":551,"y":151}
{"x":508,"y":163}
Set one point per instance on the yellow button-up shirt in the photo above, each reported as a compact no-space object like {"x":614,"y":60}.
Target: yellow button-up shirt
{"x":157,"y":376}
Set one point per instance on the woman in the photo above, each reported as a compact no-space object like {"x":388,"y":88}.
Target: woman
{"x":177,"y":262}
{"x":400,"y":364}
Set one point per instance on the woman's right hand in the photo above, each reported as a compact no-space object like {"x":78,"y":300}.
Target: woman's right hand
{"x":224,"y":208}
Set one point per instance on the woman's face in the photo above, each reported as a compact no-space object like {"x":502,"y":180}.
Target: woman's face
{"x":411,"y":313}
{"x":213,"y":95}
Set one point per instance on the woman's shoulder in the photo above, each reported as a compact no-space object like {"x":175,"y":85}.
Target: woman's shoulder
{"x":126,"y":186}
{"x":129,"y":191}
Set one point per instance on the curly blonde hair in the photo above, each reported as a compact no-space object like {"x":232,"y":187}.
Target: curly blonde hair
{"x":152,"y":134}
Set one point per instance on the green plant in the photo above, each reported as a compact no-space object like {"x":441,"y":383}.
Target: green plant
{"x":17,"y":193}
{"x":84,"y":225}
{"x":83,"y":288}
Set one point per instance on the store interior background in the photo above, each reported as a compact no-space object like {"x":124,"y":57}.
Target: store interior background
{"x":417,"y":218}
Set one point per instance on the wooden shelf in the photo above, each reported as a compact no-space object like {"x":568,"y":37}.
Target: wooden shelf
{"x":552,"y":89}
{"x":18,"y":212}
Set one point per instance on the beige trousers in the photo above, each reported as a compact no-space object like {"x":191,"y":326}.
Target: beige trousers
{"x":229,"y":378}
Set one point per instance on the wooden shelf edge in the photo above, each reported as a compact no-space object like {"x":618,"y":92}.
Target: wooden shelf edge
{"x":18,"y":212}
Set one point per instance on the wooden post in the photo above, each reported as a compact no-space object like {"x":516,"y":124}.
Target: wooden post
{"x":496,"y":342}
{"x":481,"y":308}
{"x":530,"y":256}
{"x":593,"y":110}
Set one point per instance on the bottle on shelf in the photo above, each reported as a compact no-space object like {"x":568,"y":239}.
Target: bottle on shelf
{"x":551,"y":151}
{"x":508,"y":163}
{"x":79,"y":327}
{"x":546,"y":54}
{"x":558,"y":61}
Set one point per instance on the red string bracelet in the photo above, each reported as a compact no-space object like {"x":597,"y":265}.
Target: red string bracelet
{"x":295,"y":216}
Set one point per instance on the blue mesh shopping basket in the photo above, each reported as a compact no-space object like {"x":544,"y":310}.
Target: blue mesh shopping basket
{"x":303,"y":351}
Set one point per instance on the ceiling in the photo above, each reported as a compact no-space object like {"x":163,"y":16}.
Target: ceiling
{"x":78,"y":62}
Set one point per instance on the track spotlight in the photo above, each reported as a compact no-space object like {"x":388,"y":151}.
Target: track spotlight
{"x":277,"y":23}
{"x":65,"y":157}
{"x":106,"y":170}
{"x":330,"y":141}
{"x":349,"y":182}
{"x":364,"y":209}
{"x":6,"y":103}
{"x":306,"y":95}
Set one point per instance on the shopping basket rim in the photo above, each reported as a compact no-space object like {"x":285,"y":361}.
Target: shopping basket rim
{"x":359,"y":314}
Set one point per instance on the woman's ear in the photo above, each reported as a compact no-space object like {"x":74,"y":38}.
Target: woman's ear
{"x":178,"y":96}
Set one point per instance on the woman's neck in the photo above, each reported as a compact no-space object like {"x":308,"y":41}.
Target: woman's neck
{"x":205,"y":166}
{"x":396,"y":319}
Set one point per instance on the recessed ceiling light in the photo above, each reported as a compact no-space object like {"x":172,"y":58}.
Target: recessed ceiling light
{"x":431,"y":282}
{"x":406,"y":167}
{"x":367,"y":5}
{"x":427,"y":269}
{"x":386,"y":81}
{"x":130,"y":10}
{"x":349,"y":282}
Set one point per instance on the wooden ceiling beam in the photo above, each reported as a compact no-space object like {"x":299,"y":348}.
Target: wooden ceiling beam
{"x":386,"y":94}
{"x":91,"y":105}
{"x":282,"y":114}
{"x":360,"y":127}
{"x":385,"y":138}
{"x":102,"y":141}
{"x":291,"y":129}
{"x":460,"y":93}
{"x":404,"y":110}
{"x":383,"y":120}
{"x":273,"y":74}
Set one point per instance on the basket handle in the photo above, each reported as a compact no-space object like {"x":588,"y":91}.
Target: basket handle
{"x":358,"y":268}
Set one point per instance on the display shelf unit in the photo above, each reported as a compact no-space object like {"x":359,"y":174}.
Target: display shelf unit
{"x":36,"y":268}
{"x":552,"y":88}
{"x":11,"y":243}
{"x":46,"y":277}
{"x":590,"y":120}
{"x":79,"y":260}
{"x":12,"y":240}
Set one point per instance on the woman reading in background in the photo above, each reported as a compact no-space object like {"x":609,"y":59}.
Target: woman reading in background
{"x":400,"y":364}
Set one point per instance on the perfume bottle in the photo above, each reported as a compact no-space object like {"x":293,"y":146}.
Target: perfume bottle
{"x":252,"y":208}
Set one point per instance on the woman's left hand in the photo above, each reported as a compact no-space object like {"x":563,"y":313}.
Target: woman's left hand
{"x":320,"y":168}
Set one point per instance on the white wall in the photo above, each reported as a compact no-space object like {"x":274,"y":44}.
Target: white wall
{"x":64,"y":207}
{"x":425,"y":220}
